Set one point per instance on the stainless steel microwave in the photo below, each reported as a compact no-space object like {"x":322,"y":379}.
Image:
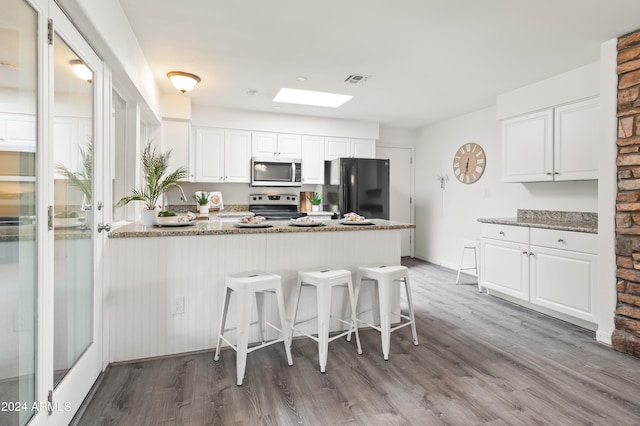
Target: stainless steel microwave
{"x":276,"y":171}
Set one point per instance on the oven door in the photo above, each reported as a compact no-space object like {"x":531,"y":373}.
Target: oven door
{"x":271,"y":172}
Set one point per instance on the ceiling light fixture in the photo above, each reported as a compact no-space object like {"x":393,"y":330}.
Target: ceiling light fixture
{"x":183,"y":81}
{"x":81,"y":70}
{"x":309,"y":97}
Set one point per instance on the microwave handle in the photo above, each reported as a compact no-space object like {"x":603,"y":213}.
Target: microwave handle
{"x":293,"y":172}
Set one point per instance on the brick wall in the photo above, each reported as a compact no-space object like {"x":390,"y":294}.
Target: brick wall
{"x":626,"y":337}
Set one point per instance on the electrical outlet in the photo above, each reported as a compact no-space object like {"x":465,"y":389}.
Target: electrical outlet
{"x":178,"y":305}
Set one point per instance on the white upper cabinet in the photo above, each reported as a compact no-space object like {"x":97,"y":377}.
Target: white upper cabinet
{"x":289,"y":146}
{"x":17,"y":132}
{"x":336,"y":148}
{"x":557,"y":144}
{"x":313,"y":160}
{"x":209,"y":155}
{"x":527,"y":148}
{"x":363,"y":148}
{"x":176,"y":137}
{"x":345,"y":147}
{"x":237,"y":156}
{"x":264,"y":144}
{"x":222,"y":155}
{"x":577,"y":128}
{"x":276,"y":145}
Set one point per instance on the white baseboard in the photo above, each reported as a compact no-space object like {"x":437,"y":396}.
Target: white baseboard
{"x":604,"y":336}
{"x":445,"y":264}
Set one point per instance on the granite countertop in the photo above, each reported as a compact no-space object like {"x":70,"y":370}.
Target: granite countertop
{"x":214,"y":227}
{"x":27,"y":233}
{"x":550,"y":219}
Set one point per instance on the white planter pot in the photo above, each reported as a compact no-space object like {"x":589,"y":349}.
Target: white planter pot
{"x":315,"y":208}
{"x":204,"y":209}
{"x":148,"y":217}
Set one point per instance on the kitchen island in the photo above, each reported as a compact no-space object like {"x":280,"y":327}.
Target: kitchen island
{"x":165,"y":292}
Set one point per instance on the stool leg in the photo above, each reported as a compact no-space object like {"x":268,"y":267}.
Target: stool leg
{"x":354,"y":320}
{"x":460,"y":267}
{"x":356,"y":296}
{"x":477,"y":256}
{"x":324,"y":312}
{"x":384,"y":288}
{"x":296,"y":300}
{"x":223,"y":319}
{"x":260,"y":309}
{"x":243,"y":321}
{"x":284,"y":325}
{"x":407,"y":287}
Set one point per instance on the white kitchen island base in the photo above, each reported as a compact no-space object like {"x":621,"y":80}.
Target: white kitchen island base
{"x":165,"y":292}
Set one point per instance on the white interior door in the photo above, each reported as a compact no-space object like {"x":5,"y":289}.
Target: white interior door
{"x":72,"y":330}
{"x":401,"y":189}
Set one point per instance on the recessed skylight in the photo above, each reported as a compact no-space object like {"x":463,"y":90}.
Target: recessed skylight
{"x":309,"y":97}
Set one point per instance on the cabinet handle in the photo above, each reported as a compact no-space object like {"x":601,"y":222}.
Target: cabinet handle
{"x":560,"y":240}
{"x":501,"y":233}
{"x":531,"y":253}
{"x":525,"y":252}
{"x":556,"y":173}
{"x":548,"y":173}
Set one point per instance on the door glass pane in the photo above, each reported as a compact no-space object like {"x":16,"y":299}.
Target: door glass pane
{"x":73,"y":182}
{"x":18,"y":117}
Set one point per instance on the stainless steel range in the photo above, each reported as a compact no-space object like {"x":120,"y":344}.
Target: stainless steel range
{"x":275,"y":206}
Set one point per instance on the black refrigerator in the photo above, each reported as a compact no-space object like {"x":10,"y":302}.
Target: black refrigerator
{"x":359,"y":185}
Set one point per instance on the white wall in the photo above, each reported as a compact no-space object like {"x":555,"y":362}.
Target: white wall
{"x":398,"y":136}
{"x":445,"y":218}
{"x":282,"y":123}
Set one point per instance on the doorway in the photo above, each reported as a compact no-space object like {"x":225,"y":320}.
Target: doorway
{"x":401,"y":190}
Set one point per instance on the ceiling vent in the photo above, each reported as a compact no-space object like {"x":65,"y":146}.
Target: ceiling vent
{"x":357,"y":78}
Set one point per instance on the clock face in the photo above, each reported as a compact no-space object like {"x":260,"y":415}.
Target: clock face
{"x":469,"y":162}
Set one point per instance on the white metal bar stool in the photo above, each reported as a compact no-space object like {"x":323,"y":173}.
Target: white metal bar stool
{"x":384,"y":276}
{"x":247,"y":285}
{"x":324,"y":280}
{"x":475,"y":246}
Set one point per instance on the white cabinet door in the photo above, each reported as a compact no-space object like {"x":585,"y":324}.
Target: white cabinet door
{"x":209,"y":155}
{"x":17,"y":132}
{"x":289,"y":146}
{"x":564,"y":281}
{"x":527,"y":148}
{"x":264,"y":144}
{"x":505,"y":267}
{"x":576,"y":137}
{"x":336,"y":148}
{"x":176,"y":136}
{"x":237,"y":156}
{"x":363,"y":148}
{"x":313,"y":160}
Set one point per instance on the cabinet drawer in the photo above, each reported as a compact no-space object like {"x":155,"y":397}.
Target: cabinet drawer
{"x":518,"y":234}
{"x":565,"y":240}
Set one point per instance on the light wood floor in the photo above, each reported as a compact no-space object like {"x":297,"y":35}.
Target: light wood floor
{"x":480,"y":361}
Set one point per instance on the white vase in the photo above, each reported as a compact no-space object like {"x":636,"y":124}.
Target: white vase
{"x":204,"y":209}
{"x":315,"y":208}
{"x":148,"y":217}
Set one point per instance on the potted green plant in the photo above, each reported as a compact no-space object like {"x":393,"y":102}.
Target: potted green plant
{"x":315,"y":201}
{"x":202,"y":198}
{"x":84,"y":178}
{"x":156,"y":182}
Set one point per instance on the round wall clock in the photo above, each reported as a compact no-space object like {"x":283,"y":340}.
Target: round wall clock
{"x":469,"y":162}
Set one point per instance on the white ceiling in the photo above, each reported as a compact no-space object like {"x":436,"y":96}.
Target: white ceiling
{"x":429,"y":59}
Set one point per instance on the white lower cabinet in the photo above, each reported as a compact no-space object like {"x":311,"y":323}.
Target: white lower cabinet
{"x":555,"y":270}
{"x":506,"y":267}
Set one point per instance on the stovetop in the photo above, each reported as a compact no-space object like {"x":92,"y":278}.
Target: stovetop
{"x":275,"y":206}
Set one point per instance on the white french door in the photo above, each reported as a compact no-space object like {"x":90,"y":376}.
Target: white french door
{"x":53,"y":186}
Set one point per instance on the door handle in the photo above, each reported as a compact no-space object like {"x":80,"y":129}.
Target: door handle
{"x":104,"y":227}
